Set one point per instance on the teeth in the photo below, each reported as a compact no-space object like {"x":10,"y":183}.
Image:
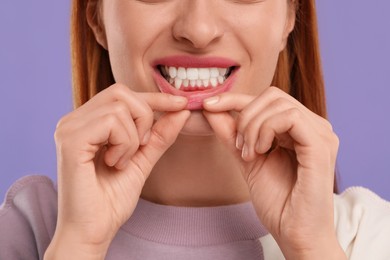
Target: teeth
{"x":220,"y":79}
{"x":204,"y":73}
{"x":222,"y":71}
{"x":182,"y":73}
{"x":206,"y":82}
{"x":214,"y":73}
{"x":186,"y":82}
{"x":214,"y":82}
{"x":198,"y":83}
{"x":192,"y":74}
{"x":194,"y":77}
{"x":178,"y":83}
{"x":172,"y":72}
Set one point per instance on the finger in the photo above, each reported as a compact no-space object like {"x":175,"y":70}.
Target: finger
{"x":118,"y":109}
{"x":164,"y":102}
{"x":233,"y":101}
{"x":251,"y":121}
{"x":106,"y":130}
{"x":138,"y":109}
{"x":227,"y":102}
{"x":163,"y":135}
{"x":140,"y":105}
{"x":293,"y":123}
{"x":224,"y":126}
{"x":312,"y":153}
{"x":118,"y":152}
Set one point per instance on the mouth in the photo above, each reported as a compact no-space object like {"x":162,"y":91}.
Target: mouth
{"x":195,"y":79}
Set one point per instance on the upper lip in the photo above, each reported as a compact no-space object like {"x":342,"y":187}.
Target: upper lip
{"x":194,"y":62}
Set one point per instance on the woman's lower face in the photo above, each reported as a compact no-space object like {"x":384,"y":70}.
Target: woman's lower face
{"x":195,"y":49}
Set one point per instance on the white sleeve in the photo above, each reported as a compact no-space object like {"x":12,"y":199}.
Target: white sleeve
{"x":362,"y":222}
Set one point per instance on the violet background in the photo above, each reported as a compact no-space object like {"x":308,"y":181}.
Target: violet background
{"x":35,"y":87}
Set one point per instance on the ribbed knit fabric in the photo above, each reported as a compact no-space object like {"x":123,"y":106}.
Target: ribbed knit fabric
{"x":28,"y":219}
{"x":203,"y":226}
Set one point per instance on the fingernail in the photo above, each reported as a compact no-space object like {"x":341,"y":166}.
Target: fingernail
{"x":178,"y":99}
{"x":211,"y":100}
{"x":239,"y":141}
{"x":244,"y":151}
{"x":146,"y":138}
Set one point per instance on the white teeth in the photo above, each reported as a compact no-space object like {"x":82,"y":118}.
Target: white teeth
{"x":182,"y":73}
{"x":206,"y":82}
{"x":204,"y":73}
{"x":214,"y":72}
{"x":198,"y":83}
{"x":214,"y":82}
{"x":192,"y":74}
{"x":222,"y":71}
{"x":178,"y":83}
{"x":172,"y":72}
{"x":186,"y":82}
{"x":220,"y":79}
{"x":195,"y":77}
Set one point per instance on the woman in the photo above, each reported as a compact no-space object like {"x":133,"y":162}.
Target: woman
{"x":180,"y":149}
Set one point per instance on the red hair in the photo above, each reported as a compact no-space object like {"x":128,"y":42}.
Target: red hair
{"x":298,"y":72}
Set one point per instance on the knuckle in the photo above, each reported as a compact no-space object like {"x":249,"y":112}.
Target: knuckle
{"x":120,"y":107}
{"x":274,"y":91}
{"x":147,"y":118}
{"x":63,"y":142}
{"x":58,"y":136}
{"x":62,"y":121}
{"x":293,"y":114}
{"x":327,"y":124}
{"x":324,"y":121}
{"x":280,"y":104}
{"x":62,"y":128}
{"x":120,"y":89}
{"x":110,"y":120}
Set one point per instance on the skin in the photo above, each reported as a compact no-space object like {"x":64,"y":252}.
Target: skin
{"x":131,"y":141}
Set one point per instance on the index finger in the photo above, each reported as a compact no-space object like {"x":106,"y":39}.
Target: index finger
{"x":139,"y":105}
{"x":227,"y":102}
{"x":163,"y":102}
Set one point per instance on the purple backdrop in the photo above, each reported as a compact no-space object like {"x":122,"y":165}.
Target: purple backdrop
{"x":35,"y":87}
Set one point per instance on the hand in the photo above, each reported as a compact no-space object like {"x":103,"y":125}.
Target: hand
{"x":106,"y":150}
{"x":290,"y":180}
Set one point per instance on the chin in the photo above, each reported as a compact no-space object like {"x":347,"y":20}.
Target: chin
{"x":197,"y":125}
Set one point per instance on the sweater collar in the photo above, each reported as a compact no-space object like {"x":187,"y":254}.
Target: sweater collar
{"x":194,"y":226}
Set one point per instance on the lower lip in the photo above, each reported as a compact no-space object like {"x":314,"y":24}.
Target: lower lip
{"x":195,"y":98}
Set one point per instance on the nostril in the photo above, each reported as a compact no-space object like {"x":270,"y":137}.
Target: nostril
{"x":197,"y":28}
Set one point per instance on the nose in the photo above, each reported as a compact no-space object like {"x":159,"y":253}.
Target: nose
{"x":198,"y":23}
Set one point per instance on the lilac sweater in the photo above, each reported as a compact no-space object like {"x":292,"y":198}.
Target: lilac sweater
{"x":28,"y":219}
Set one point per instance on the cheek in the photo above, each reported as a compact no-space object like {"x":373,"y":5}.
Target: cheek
{"x":127,"y":44}
{"x":125,"y":53}
{"x":263,"y":38}
{"x":263,"y":52}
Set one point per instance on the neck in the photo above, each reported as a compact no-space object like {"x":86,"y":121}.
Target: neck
{"x":196,"y":172}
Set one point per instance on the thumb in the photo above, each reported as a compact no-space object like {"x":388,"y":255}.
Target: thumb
{"x":224,"y":126}
{"x":163,"y":134}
